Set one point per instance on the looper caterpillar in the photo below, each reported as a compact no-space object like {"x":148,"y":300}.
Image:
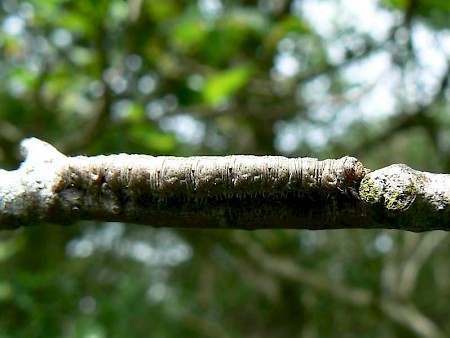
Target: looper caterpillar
{"x":202,"y":177}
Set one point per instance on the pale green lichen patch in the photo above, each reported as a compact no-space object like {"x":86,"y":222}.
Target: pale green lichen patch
{"x":400,"y":198}
{"x":369,"y":191}
{"x":394,"y":185}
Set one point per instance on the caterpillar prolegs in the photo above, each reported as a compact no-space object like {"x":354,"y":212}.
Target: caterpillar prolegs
{"x":201,"y":177}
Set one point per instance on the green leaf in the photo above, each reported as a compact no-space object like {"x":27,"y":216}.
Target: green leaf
{"x":163,"y":11}
{"x":153,"y":139}
{"x":188,"y":32}
{"x":220,"y":86}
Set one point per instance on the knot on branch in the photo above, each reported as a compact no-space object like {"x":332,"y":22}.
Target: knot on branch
{"x":395,"y":186}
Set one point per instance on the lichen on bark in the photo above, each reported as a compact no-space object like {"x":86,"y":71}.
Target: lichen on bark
{"x":395,"y":186}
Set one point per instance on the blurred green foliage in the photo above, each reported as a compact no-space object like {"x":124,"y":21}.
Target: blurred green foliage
{"x":299,"y":78}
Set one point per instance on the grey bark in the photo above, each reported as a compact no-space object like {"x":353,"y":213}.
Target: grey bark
{"x":231,"y":192}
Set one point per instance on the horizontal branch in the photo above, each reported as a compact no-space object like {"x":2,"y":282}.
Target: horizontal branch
{"x":232,"y":192}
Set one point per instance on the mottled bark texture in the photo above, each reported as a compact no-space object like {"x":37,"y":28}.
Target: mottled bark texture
{"x":232,"y":192}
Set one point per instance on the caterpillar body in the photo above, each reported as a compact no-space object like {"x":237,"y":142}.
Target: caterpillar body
{"x":202,"y":177}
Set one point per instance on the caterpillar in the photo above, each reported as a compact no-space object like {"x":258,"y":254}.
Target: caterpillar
{"x":198,"y":177}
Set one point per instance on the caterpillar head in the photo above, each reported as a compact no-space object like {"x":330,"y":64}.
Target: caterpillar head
{"x":354,"y":170}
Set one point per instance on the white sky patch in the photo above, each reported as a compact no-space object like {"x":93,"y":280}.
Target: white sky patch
{"x":14,"y":25}
{"x":171,"y":251}
{"x":443,"y":41}
{"x":317,"y":135}
{"x":383,"y":243}
{"x":116,"y":80}
{"x":375,"y":86}
{"x":147,"y":84}
{"x":210,"y":9}
{"x":431,"y":62}
{"x":427,"y":49}
{"x":286,"y":137}
{"x":371,"y":97}
{"x":369,"y":70}
{"x":328,"y":17}
{"x":155,"y":109}
{"x":80,"y":248}
{"x":371,"y":93}
{"x":336,"y":52}
{"x":62,"y":38}
{"x":368,"y":17}
{"x":320,"y":14}
{"x":315,"y":89}
{"x":290,"y":135}
{"x":186,"y":128}
{"x":164,"y":249}
{"x":287,"y":65}
{"x":380,"y":102}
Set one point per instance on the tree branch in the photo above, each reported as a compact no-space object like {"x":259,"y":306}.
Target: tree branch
{"x":231,"y":192}
{"x":404,"y":314}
